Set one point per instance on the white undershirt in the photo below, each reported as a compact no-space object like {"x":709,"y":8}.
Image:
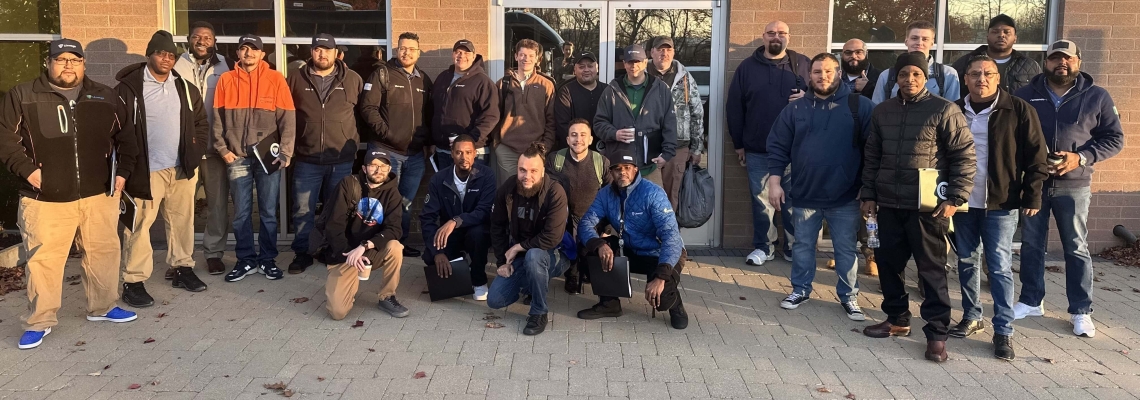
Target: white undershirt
{"x":980,"y":127}
{"x":460,"y":185}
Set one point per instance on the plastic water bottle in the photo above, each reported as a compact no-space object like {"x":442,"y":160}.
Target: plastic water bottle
{"x":872,"y":232}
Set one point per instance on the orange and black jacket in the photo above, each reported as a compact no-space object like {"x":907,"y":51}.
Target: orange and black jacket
{"x":248,"y":106}
{"x":71,"y":145}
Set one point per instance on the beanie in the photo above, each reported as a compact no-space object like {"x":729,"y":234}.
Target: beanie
{"x":915,"y":58}
{"x":161,"y":41}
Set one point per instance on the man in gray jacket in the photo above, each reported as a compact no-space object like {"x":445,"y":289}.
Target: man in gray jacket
{"x":653,"y":133}
{"x":690,"y":112}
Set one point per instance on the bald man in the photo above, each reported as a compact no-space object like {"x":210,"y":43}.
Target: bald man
{"x":858,"y":73}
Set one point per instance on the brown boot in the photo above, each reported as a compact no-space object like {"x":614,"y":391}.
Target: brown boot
{"x":872,"y":267}
{"x":886,"y":329}
{"x":831,"y":264}
{"x":936,"y":350}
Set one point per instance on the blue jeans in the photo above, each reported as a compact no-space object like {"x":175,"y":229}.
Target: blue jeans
{"x":410,"y":172}
{"x":993,"y":231}
{"x":244,"y":173}
{"x":532,"y":275}
{"x":844,"y":226}
{"x":763,"y":214}
{"x":309,"y":181}
{"x":1070,"y":208}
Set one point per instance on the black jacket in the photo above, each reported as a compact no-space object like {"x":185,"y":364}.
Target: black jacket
{"x":1015,"y":164}
{"x":326,"y":128}
{"x":907,"y":134}
{"x":354,"y":202}
{"x":574,"y":101}
{"x":537,"y":222}
{"x":397,"y":108}
{"x":872,"y":79}
{"x":195,"y":131}
{"x":469,"y":106}
{"x":656,"y":124}
{"x":443,"y":204}
{"x":71,"y":146}
{"x":1018,"y":71}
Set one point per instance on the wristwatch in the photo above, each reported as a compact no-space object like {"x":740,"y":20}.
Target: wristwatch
{"x":366,"y":244}
{"x":1084,"y":161}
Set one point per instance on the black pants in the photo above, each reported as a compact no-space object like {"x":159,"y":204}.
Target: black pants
{"x":475,"y":241}
{"x":647,"y":265}
{"x":904,"y":234}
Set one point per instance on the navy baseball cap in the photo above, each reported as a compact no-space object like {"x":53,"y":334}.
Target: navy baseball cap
{"x":251,"y":40}
{"x":66,"y":46}
{"x":463,"y":44}
{"x":324,"y":40}
{"x":375,"y":153}
{"x":635,"y":52}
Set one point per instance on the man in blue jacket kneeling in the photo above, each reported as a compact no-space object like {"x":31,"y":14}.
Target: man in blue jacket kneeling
{"x":648,"y":236}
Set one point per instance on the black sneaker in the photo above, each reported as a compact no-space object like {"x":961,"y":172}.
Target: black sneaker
{"x":966,"y":328}
{"x":535,"y":324}
{"x":393,"y":307}
{"x":573,"y":285}
{"x":185,"y":278}
{"x":1003,"y":347}
{"x":678,"y":318}
{"x":793,"y":300}
{"x":526,"y":299}
{"x":240,"y":271}
{"x":135,"y":295}
{"x":854,"y":312}
{"x":411,"y":252}
{"x":602,"y":310}
{"x":271,"y":271}
{"x":301,"y":262}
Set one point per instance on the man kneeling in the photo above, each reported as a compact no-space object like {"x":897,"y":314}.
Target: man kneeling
{"x":648,"y":236}
{"x":362,"y":231}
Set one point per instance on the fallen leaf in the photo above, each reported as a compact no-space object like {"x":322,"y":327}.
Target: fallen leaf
{"x":134,"y":386}
{"x":1135,"y":290}
{"x":73,"y":278}
{"x":420,"y":375}
{"x":80,"y":343}
{"x":743,"y":298}
{"x":261,"y":290}
{"x":1100,"y":274}
{"x":1054,"y":268}
{"x":1049,"y":360}
{"x":370,"y":350}
{"x":107,"y":366}
{"x":823,"y":390}
{"x":491,"y":317}
{"x":850,"y":396}
{"x":320,"y":379}
{"x":96,"y":373}
{"x":161,"y":315}
{"x":166,"y":302}
{"x":1124,"y":352}
{"x":573,"y":362}
{"x":1111,"y":289}
{"x":494,"y":325}
{"x":274,"y":386}
{"x":148,"y":340}
{"x":299,"y":300}
{"x":856,"y":330}
{"x":358,"y":324}
{"x":232,"y":319}
{"x":287,"y":393}
{"x":1098,"y":372}
{"x":1095,"y":279}
{"x":154,"y":383}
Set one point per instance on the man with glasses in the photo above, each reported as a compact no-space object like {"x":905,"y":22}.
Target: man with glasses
{"x":69,"y":184}
{"x":762,"y":85}
{"x":858,"y":73}
{"x":1015,"y":68}
{"x":637,"y":110}
{"x":167,"y":116}
{"x":201,"y":66}
{"x":465,"y":102}
{"x":396,"y":107}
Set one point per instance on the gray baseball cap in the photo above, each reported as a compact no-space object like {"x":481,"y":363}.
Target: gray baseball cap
{"x":1064,"y":46}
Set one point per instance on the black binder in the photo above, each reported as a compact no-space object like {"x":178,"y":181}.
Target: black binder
{"x":266,"y":151}
{"x":127,"y":211}
{"x":459,"y":284}
{"x":614,"y":283}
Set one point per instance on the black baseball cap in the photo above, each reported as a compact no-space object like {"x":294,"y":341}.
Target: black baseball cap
{"x":66,"y":46}
{"x":375,"y":153}
{"x":324,"y":40}
{"x":1002,"y":19}
{"x":585,"y":56}
{"x":251,"y":40}
{"x":463,"y":44}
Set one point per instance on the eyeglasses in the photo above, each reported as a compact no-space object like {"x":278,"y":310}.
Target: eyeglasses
{"x":66,"y":61}
{"x":165,"y":55}
{"x":988,"y":75}
{"x":854,"y":52}
{"x":407,"y":49}
{"x":774,"y":33}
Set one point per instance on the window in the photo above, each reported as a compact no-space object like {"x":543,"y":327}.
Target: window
{"x":882,"y":24}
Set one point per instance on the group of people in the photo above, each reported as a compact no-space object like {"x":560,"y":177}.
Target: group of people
{"x":834,"y":139}
{"x":357,"y":150}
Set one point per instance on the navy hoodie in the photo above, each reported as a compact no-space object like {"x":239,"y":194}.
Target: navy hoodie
{"x":817,"y":137}
{"x":1086,"y":123}
{"x":759,"y":90}
{"x":470,"y":106}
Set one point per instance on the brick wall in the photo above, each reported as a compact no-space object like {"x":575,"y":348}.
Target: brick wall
{"x":114,"y":33}
{"x":1108,"y":34}
{"x":440,"y":23}
{"x":807,"y":22}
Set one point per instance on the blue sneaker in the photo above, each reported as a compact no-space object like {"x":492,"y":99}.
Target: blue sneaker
{"x":271,"y":271}
{"x":115,"y":315}
{"x":240,"y":270}
{"x":32,"y":339}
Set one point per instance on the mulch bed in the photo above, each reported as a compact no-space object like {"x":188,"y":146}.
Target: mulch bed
{"x":1123,"y":255}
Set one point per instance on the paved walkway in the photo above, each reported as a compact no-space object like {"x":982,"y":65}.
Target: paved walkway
{"x":231,"y":340}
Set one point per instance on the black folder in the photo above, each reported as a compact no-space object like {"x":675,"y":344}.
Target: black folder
{"x":458,"y":284}
{"x":127,"y":211}
{"x":614,"y":283}
{"x":266,"y":151}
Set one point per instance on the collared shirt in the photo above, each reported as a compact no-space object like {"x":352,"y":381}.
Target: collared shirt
{"x":635,"y":93}
{"x":979,"y":121}
{"x":1055,"y":98}
{"x":163,"y":120}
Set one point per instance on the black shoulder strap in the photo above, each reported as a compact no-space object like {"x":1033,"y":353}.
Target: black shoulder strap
{"x":940,"y":78}
{"x":795,"y":71}
{"x":853,"y":103}
{"x":892,"y":79}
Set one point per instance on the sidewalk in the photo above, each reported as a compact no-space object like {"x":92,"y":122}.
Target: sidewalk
{"x":232,"y":339}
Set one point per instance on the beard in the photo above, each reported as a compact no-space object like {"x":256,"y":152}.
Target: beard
{"x":1062,"y":80}
{"x":376,"y":179}
{"x":775,"y":47}
{"x":827,"y":91}
{"x":65,"y":81}
{"x":856,"y":69}
{"x":524,"y":192}
{"x":323,"y":65}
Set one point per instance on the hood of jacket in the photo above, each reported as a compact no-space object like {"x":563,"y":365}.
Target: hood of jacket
{"x":339,"y":71}
{"x":246,"y":76}
{"x":476,"y":68}
{"x":1040,"y":84}
{"x":394,"y":63}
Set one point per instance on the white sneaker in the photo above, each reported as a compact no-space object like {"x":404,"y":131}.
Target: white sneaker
{"x":758,"y":257}
{"x":480,"y":293}
{"x":1022,"y":310}
{"x":1082,"y":325}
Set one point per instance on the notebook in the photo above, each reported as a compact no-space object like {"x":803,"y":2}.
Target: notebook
{"x":266,"y":151}
{"x":458,"y":284}
{"x":614,"y":283}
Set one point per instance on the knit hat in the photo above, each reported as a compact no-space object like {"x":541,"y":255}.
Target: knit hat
{"x":915,"y":58}
{"x":161,"y":41}
{"x":620,"y":153}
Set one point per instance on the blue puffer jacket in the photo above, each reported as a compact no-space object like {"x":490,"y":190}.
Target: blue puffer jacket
{"x":1086,"y":123}
{"x":650,"y":224}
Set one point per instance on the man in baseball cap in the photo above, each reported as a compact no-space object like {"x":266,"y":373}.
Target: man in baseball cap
{"x":577,"y":98}
{"x":690,"y":112}
{"x":466,"y":102}
{"x":62,"y":46}
{"x":251,"y":40}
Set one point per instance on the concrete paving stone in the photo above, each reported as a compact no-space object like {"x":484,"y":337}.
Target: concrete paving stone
{"x":526,"y":366}
{"x":450,"y":379}
{"x":617,"y":389}
{"x":683,"y":390}
{"x":647,"y":390}
{"x":725,"y":383}
{"x":1071,"y":393}
{"x":587,"y":381}
{"x":547,"y":388}
{"x":507,"y":389}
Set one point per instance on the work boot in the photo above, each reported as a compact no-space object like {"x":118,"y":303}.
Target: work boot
{"x":135,"y":295}
{"x":678,"y":318}
{"x":214,"y":266}
{"x":886,"y":329}
{"x":603,"y":309}
{"x":872,"y":268}
{"x":185,"y":278}
{"x":1003,"y":347}
{"x":936,"y":350}
{"x":300,"y":262}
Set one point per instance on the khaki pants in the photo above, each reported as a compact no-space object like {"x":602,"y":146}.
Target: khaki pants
{"x":672,"y":173}
{"x":506,"y":162}
{"x":48,"y":230}
{"x":343,"y":281}
{"x":174,"y":195}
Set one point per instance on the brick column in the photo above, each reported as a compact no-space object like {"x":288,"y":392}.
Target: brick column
{"x":113,"y":33}
{"x":440,"y":23}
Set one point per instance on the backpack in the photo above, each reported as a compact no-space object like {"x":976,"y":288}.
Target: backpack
{"x":599,"y":163}
{"x":939,"y":78}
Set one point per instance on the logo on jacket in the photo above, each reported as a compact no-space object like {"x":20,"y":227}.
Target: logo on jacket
{"x":401,"y":87}
{"x":370,"y":210}
{"x":460,"y":86}
{"x":275,"y":149}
